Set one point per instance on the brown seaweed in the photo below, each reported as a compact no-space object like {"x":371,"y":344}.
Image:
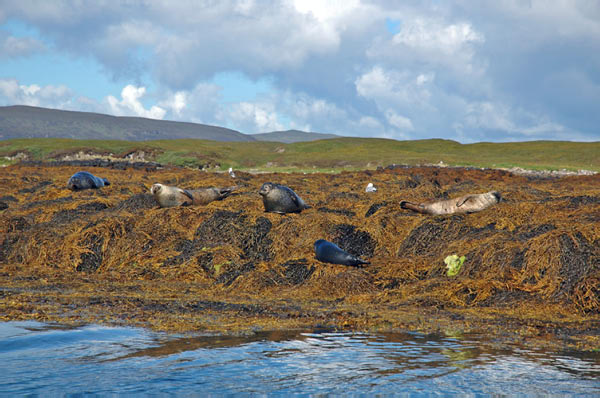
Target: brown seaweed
{"x":532,"y":261}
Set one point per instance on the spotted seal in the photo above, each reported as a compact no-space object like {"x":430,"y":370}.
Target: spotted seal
{"x":328,"y":252}
{"x":85,"y":180}
{"x":465,"y":204}
{"x":281,"y":199}
{"x":168,"y":196}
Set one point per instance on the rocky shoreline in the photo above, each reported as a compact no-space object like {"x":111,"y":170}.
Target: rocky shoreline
{"x":532,"y":267}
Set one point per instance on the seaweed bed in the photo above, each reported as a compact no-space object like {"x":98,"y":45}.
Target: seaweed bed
{"x":532,"y":268}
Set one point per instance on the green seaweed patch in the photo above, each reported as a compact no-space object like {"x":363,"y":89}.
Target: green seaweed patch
{"x":453,"y":264}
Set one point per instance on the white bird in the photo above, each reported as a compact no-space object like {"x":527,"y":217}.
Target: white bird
{"x":231,"y":173}
{"x":370,"y":188}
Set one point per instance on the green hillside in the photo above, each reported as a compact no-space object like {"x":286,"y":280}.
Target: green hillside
{"x":338,"y":154}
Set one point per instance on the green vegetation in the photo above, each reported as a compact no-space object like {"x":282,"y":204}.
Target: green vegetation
{"x":324,"y":155}
{"x":453,"y":264}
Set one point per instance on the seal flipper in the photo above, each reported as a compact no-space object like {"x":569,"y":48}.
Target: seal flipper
{"x":189,"y":195}
{"x":463,"y":201}
{"x":225,"y":192}
{"x":294,"y":198}
{"x":297,"y":200}
{"x":357,"y":262}
{"x":414,"y":207}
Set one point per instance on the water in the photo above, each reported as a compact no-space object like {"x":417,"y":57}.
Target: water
{"x":45,"y":359}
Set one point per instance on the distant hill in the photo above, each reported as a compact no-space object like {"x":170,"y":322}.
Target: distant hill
{"x":291,"y":136}
{"x":31,"y":122}
{"x":19,"y":121}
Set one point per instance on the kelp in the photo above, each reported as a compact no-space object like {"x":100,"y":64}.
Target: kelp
{"x":531,"y":261}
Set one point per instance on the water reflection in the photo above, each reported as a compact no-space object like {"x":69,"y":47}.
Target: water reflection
{"x":48,"y":358}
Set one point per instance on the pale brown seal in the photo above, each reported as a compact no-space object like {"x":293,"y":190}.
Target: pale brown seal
{"x":281,"y":199}
{"x":464,"y":204}
{"x":168,"y":196}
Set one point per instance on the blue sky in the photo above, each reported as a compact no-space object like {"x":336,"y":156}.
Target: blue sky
{"x":508,"y":70}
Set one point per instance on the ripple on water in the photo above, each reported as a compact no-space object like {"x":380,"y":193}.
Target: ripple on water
{"x":40,"y":358}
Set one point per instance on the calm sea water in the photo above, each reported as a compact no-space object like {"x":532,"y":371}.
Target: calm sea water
{"x":46,"y":359}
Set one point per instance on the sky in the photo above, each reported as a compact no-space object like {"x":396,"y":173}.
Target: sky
{"x":470,"y":71}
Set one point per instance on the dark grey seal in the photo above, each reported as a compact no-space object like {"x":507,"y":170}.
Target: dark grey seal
{"x":84,"y":180}
{"x":281,"y":199}
{"x":328,"y":252}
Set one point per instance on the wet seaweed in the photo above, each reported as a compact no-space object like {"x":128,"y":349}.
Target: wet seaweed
{"x":537,"y":249}
{"x":297,"y":271}
{"x":354,"y":241}
{"x":374,"y":207}
{"x":91,"y":260}
{"x":342,"y":212}
{"x":35,"y":188}
{"x":529,"y":232}
{"x":576,"y":256}
{"x":136,"y":203}
{"x":233,"y":272}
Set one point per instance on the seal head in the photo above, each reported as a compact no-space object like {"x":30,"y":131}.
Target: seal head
{"x":328,"y":252}
{"x":85,"y":180}
{"x":281,"y":199}
{"x":167,"y":196}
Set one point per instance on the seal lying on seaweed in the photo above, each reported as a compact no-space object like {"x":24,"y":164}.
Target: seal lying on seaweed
{"x":85,"y":180}
{"x":281,"y":199}
{"x":465,"y":204}
{"x":168,"y":196}
{"x":328,"y":252}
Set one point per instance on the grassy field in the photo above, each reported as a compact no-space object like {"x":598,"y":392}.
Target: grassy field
{"x":332,"y":154}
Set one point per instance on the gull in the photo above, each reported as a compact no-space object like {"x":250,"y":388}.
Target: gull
{"x":370,"y":188}
{"x":231,"y":173}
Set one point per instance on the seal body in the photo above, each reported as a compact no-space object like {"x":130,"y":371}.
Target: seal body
{"x":84,"y":180}
{"x":168,"y":196}
{"x":281,"y":199}
{"x":203,"y":196}
{"x":328,"y":252}
{"x":465,"y":204}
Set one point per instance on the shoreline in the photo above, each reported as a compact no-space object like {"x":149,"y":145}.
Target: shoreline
{"x":111,"y":256}
{"x":140,"y":163}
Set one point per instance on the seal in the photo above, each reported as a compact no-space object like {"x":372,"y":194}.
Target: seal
{"x":168,"y":196}
{"x":84,"y":180}
{"x":465,"y":204}
{"x":203,"y":196}
{"x":328,"y":252}
{"x":281,"y":199}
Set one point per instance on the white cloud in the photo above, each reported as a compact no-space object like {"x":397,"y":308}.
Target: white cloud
{"x":11,"y":46}
{"x":252,"y":117}
{"x":432,"y":35}
{"x":130,"y":104}
{"x":326,"y":10}
{"x":399,"y":121}
{"x":394,"y":87}
{"x":514,"y":123}
{"x":524,"y":69}
{"x":370,"y":122}
{"x":13,"y":93}
{"x":175,"y":102}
